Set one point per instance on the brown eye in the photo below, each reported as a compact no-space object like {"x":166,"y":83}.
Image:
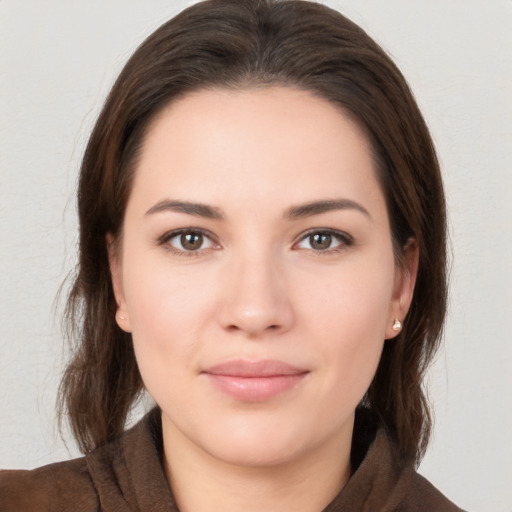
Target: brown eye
{"x":188,"y":241}
{"x":320,"y":241}
{"x":327,"y":241}
{"x":191,"y":241}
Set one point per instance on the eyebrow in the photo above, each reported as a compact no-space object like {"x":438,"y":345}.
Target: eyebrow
{"x":293,"y":213}
{"x":196,"y":209}
{"x":328,"y":205}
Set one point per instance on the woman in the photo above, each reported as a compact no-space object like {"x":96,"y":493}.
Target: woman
{"x":262,"y":249}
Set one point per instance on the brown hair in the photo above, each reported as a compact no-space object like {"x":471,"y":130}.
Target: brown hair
{"x":239,"y":44}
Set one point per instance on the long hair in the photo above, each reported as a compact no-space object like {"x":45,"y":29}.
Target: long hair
{"x":240,"y":44}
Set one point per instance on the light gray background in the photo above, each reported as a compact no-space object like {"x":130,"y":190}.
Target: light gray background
{"x":57,"y":61}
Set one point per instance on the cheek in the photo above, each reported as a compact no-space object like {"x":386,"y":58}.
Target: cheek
{"x":167,"y":314}
{"x":347,"y":317}
{"x":167,"y":310}
{"x":353,"y":297}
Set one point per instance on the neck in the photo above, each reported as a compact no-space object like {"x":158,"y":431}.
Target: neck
{"x":201,"y":482}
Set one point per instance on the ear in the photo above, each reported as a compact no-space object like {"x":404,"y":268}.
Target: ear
{"x":403,"y":290}
{"x":116,"y":275}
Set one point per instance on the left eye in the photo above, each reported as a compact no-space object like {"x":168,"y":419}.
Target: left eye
{"x":190,"y":241}
{"x":324,"y":241}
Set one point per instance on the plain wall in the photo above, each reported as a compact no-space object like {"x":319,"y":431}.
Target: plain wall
{"x":57,"y":61}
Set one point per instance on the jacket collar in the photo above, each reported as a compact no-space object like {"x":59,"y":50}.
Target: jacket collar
{"x":128,"y":473}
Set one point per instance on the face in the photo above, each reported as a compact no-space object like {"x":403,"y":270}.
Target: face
{"x":256,"y":272}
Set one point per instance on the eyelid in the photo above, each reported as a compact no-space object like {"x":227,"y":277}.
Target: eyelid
{"x":345,"y":239}
{"x":169,"y":235}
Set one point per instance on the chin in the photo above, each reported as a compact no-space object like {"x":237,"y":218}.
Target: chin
{"x":256,"y":451}
{"x":261,"y":440}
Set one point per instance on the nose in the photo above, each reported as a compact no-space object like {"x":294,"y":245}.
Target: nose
{"x":255,"y":299}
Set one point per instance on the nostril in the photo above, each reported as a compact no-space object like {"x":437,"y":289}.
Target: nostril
{"x":234,"y":328}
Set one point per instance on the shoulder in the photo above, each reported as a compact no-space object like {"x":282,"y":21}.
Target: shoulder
{"x":122,"y":475}
{"x":64,"y":486}
{"x":418,"y":494}
{"x":381,"y":481}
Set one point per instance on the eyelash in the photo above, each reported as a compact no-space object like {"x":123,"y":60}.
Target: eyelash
{"x":165,"y":240}
{"x":344,"y":240}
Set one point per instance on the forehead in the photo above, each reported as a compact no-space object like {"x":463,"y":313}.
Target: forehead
{"x":260,"y":144}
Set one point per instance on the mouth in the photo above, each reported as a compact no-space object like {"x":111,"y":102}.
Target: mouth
{"x":254,"y":381}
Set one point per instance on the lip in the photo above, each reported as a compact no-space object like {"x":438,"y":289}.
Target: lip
{"x":254,"y":381}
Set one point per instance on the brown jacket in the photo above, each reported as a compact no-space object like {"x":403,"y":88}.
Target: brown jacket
{"x":127,"y":475}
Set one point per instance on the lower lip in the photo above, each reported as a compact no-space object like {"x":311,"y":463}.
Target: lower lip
{"x":255,"y":389}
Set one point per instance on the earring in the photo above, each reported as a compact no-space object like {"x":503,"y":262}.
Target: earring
{"x":121,"y":317}
{"x":397,"y":325}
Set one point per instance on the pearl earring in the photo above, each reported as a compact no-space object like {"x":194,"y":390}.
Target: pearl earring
{"x":397,"y":325}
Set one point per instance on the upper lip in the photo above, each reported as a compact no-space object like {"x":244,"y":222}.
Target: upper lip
{"x":260,"y":368}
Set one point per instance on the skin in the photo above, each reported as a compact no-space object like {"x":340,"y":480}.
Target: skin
{"x":257,"y":287}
